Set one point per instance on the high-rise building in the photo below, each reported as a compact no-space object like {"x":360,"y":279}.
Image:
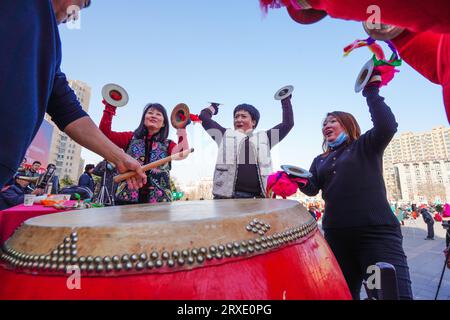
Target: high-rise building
{"x":424,"y":181}
{"x":416,"y":165}
{"x":66,"y":153}
{"x":200,"y":189}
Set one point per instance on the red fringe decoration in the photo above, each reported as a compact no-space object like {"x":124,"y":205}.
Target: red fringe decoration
{"x":387,"y":74}
{"x":195,"y":118}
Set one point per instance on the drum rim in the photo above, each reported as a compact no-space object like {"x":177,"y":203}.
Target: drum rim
{"x":259,"y":236}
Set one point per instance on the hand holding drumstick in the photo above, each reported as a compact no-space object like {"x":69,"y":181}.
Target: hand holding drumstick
{"x":150,"y":166}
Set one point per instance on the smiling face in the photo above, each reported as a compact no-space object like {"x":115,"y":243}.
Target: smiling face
{"x":243,"y":121}
{"x":36,"y":167}
{"x":331,"y":129}
{"x":154,"y":120}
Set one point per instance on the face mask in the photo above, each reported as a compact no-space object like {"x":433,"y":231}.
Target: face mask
{"x":340,"y":140}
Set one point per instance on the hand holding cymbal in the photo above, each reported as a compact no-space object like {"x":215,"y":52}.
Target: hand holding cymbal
{"x":115,"y":95}
{"x":284,"y":93}
{"x":181,"y":116}
{"x":214,"y":107}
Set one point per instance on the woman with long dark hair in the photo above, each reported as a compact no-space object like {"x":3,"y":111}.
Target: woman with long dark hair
{"x":358,"y":222}
{"x":148,"y":143}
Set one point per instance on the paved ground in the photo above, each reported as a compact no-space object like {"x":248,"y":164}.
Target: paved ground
{"x":425,"y":260}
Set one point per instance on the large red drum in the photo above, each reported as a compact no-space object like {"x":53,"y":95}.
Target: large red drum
{"x":226,"y":249}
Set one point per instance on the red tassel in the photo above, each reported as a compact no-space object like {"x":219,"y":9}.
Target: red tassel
{"x":195,"y":118}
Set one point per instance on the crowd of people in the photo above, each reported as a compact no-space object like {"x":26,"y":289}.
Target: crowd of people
{"x":23,"y":182}
{"x":429,"y":213}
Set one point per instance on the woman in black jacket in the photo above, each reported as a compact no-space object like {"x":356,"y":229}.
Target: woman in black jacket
{"x":358,"y":222}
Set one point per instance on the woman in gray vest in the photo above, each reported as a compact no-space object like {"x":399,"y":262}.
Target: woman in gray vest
{"x":244,"y":162}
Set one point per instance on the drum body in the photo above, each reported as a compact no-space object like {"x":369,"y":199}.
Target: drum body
{"x":225,"y":249}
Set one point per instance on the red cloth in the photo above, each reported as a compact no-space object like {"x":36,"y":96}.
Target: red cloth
{"x":318,"y":215}
{"x":120,"y":139}
{"x":446,"y":213}
{"x":281,"y":184}
{"x":12,"y":218}
{"x":425,"y":45}
{"x":416,"y":15}
{"x":429,"y":54}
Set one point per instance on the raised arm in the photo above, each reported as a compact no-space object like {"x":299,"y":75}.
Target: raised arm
{"x":215,"y":130}
{"x":183,"y":143}
{"x":280,"y":131}
{"x":120,"y":139}
{"x":384,"y":123}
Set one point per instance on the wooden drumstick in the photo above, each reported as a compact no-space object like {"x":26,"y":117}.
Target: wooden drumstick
{"x":153,"y":165}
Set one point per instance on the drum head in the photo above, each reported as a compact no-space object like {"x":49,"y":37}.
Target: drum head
{"x":160,"y":238}
{"x":115,"y":95}
{"x":284,"y":92}
{"x":296,"y":172}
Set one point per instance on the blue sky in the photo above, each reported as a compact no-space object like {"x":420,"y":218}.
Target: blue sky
{"x":226,"y":51}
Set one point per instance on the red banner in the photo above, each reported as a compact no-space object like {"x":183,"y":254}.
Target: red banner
{"x":39,"y":150}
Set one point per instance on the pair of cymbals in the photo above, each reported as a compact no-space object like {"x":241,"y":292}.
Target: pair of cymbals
{"x":384,"y":32}
{"x":117,"y":96}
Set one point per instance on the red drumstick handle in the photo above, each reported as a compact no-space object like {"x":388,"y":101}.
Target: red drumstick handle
{"x":177,"y":156}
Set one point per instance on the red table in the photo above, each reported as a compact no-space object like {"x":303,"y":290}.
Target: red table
{"x":12,"y":218}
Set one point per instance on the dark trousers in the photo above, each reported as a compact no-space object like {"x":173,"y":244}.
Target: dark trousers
{"x":447,"y":238}
{"x":430,"y":227}
{"x":358,"y":248}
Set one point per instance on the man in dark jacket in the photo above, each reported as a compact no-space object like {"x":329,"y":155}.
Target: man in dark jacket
{"x":86,"y":179}
{"x":428,"y":219}
{"x":32,"y":84}
{"x":13,"y":195}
